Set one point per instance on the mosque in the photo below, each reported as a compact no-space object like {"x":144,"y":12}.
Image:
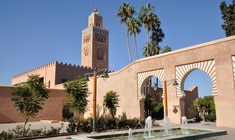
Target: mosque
{"x":131,"y":81}
{"x":94,"y":57}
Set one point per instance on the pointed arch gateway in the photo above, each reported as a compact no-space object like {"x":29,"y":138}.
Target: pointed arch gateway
{"x":183,"y":70}
{"x":159,"y":73}
{"x":181,"y":73}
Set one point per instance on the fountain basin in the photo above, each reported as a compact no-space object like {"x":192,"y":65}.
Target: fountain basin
{"x":178,"y":133}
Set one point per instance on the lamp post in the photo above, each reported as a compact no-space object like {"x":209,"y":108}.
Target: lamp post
{"x":94,"y":101}
{"x":165,"y":99}
{"x":95,"y":74}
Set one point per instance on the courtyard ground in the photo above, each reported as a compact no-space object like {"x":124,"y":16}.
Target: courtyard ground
{"x":48,"y":124}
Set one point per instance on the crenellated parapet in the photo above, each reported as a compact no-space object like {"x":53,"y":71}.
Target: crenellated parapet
{"x":56,"y":63}
{"x":55,"y":73}
{"x":69,"y":65}
{"x":37,"y":68}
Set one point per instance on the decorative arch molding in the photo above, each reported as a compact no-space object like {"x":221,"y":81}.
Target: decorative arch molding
{"x":159,"y":73}
{"x":183,"y":70}
{"x":233,"y":61}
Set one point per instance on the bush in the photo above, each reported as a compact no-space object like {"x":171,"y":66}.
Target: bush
{"x":85,"y":125}
{"x":71,"y":126}
{"x":122,"y":121}
{"x":67,"y":114}
{"x":20,"y":132}
{"x":101,"y":123}
{"x":211,"y":117}
{"x":52,"y":131}
{"x":6,"y":135}
{"x":104,"y":122}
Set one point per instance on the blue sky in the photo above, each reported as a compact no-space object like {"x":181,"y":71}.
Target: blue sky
{"x":36,"y":32}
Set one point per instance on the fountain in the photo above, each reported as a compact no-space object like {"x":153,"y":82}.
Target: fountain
{"x":166,"y":125}
{"x":176,"y":133}
{"x":130,"y":134}
{"x":184,"y":122}
{"x":148,"y":125}
{"x":182,"y":132}
{"x":138,"y":124}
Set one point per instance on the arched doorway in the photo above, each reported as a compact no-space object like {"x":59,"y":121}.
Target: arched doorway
{"x":151,"y":103}
{"x":198,"y":102}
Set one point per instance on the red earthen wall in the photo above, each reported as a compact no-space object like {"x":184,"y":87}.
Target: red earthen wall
{"x":52,"y":109}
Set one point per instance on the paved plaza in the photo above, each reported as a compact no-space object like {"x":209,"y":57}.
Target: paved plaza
{"x":48,"y":124}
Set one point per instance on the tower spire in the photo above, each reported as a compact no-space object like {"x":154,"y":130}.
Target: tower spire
{"x":95,"y":9}
{"x":95,"y":42}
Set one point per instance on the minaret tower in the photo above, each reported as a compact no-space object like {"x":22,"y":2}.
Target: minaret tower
{"x":95,"y":42}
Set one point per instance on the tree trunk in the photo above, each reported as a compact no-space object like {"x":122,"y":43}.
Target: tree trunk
{"x":136,"y":50}
{"x":128,"y":44}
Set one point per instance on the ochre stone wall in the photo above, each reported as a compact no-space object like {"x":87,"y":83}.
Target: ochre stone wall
{"x":54,"y":73}
{"x":47,"y":71}
{"x":125,"y":81}
{"x":52,"y":109}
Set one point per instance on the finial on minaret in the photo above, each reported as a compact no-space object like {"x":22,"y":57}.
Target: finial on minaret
{"x":95,"y":9}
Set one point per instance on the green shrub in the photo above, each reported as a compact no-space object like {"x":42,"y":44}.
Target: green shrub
{"x":211,"y":117}
{"x":85,"y":125}
{"x":35,"y":132}
{"x":66,"y":112}
{"x":122,"y":121}
{"x":52,"y":131}
{"x":20,"y":131}
{"x":71,"y":126}
{"x":6,"y":135}
{"x":101,"y":123}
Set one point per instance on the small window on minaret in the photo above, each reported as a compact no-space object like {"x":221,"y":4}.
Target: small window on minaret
{"x":100,"y":54}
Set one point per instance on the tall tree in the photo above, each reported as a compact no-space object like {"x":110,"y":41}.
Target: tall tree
{"x":76,"y":92}
{"x":147,"y":17}
{"x":29,"y":97}
{"x":157,"y":33}
{"x":166,"y":49}
{"x":125,"y":13}
{"x":151,"y":49}
{"x":151,"y":24}
{"x":111,"y":102}
{"x":134,"y":28}
{"x":205,"y":107}
{"x":228,"y":15}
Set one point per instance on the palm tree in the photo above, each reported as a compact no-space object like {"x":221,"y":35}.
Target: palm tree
{"x":133,"y":28}
{"x":125,"y":13}
{"x":166,"y":49}
{"x":147,"y":17}
{"x":151,"y":49}
{"x":151,"y":24}
{"x":157,"y":33}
